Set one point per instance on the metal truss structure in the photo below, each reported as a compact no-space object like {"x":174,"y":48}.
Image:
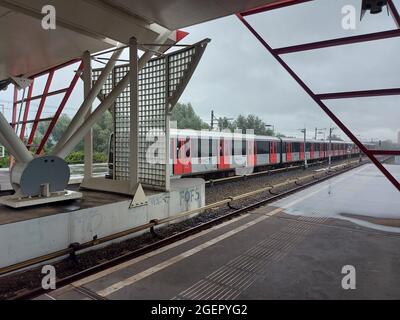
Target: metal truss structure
{"x":24,"y":105}
{"x":160,"y":84}
{"x":144,"y":92}
{"x":321,"y":97}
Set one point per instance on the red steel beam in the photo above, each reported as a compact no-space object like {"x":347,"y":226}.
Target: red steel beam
{"x":335,"y":119}
{"x":33,"y":121}
{"x":273,"y":6}
{"x":339,"y":42}
{"x":26,"y":111}
{"x":60,"y":108}
{"x":359,"y":94}
{"x":386,"y":152}
{"x":41,"y":106}
{"x":55,"y":68}
{"x":53,"y":93}
{"x":395,"y":13}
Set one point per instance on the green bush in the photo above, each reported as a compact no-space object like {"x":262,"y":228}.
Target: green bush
{"x":4,"y":162}
{"x":99,"y":157}
{"x":77,"y":157}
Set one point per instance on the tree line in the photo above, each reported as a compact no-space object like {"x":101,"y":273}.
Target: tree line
{"x":186,"y":118}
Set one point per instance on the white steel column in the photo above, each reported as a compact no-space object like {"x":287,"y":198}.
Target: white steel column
{"x":79,"y":117}
{"x":88,"y":140}
{"x":70,"y":144}
{"x":6,"y":145}
{"x":134,"y":113}
{"x":19,"y":150}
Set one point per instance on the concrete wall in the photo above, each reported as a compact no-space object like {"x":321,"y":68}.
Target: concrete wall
{"x":28,"y":239}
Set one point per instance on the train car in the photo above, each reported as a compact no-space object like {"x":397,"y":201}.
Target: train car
{"x":197,"y":153}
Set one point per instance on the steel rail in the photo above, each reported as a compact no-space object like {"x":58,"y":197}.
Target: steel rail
{"x":264,"y":172}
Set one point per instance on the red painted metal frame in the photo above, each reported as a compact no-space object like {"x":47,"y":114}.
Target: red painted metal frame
{"x":339,"y":42}
{"x":386,"y":152}
{"x":315,"y":97}
{"x":272,"y":6}
{"x":60,"y":108}
{"x":49,"y":94}
{"x":26,"y":111}
{"x":40,"y":108}
{"x":67,"y":91}
{"x":395,"y":13}
{"x":359,"y":94}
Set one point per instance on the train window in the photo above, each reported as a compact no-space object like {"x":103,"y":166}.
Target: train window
{"x":295,"y":147}
{"x":187,"y":146}
{"x":278,"y":147}
{"x":308,"y":147}
{"x":199,"y":142}
{"x":236,"y":147}
{"x":210,"y":147}
{"x":178,"y":147}
{"x":244,"y":147}
{"x":284,"y":147}
{"x":262,"y":147}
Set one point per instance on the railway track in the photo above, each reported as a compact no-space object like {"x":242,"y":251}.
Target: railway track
{"x":250,"y":204}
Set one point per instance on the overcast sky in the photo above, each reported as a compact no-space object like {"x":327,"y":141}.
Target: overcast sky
{"x":238,"y":76}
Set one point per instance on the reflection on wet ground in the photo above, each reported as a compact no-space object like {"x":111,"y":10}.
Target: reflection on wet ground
{"x":379,"y":221}
{"x":363,"y":196}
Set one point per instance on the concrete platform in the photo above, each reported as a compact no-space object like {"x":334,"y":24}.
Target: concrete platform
{"x":269,"y":254}
{"x":31,"y":232}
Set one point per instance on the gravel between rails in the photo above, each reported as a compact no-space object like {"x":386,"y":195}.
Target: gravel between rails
{"x":18,"y":283}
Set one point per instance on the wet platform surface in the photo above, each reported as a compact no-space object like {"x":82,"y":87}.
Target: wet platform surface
{"x":266,"y":254}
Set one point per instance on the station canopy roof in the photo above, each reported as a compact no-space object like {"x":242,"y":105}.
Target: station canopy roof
{"x":95,"y":25}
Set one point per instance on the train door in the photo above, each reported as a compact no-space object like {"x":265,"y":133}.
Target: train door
{"x":289,"y":156}
{"x":183,"y":164}
{"x":272,"y":153}
{"x":312,"y":151}
{"x":301,"y":151}
{"x":224,"y":155}
{"x":251,"y":154}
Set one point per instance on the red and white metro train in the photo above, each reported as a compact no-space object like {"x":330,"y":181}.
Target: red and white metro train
{"x":195,"y":153}
{"x":211,"y":153}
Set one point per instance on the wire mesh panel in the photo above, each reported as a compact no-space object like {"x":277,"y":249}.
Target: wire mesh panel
{"x":178,"y":64}
{"x":160,"y":83}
